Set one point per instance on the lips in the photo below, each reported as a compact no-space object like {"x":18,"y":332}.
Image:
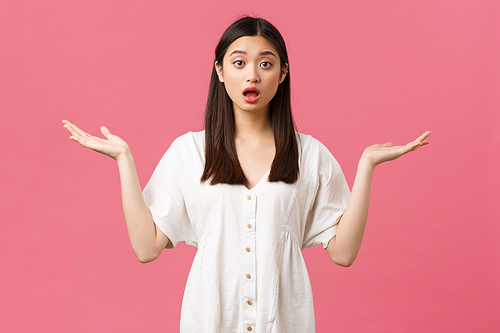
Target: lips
{"x":251,"y":94}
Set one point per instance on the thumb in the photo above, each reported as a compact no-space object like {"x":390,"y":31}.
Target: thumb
{"x":105,"y":131}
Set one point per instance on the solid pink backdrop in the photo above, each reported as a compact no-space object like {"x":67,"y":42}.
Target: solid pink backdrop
{"x":362,"y":72}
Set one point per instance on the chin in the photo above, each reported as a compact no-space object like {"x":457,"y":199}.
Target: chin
{"x":252,"y":108}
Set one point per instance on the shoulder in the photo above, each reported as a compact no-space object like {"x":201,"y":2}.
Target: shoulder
{"x":189,"y":139}
{"x":309,"y":145}
{"x":186,"y":148}
{"x":188,"y":144}
{"x":315,"y":156}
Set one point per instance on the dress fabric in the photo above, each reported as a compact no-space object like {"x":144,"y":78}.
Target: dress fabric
{"x":248,"y":274}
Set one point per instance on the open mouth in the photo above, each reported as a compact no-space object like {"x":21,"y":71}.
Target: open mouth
{"x":251,"y":94}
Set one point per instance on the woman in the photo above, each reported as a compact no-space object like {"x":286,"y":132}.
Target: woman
{"x":249,"y":192}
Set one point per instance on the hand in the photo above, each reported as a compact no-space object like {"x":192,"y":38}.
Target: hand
{"x":377,"y":154}
{"x":113,"y":146}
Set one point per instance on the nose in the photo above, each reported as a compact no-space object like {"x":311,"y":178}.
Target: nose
{"x":252,"y":74}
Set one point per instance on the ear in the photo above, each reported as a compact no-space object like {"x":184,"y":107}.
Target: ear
{"x":284,"y":72}
{"x":218,"y":68}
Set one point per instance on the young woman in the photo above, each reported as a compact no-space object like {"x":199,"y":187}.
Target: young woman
{"x":249,"y":192}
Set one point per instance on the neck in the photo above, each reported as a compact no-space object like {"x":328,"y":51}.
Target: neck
{"x":252,"y":124}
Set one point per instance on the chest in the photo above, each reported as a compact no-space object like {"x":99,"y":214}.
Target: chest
{"x":233,"y":212}
{"x":255,"y":159}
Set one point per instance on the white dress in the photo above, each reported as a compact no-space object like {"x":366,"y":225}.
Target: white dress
{"x":248,"y":274}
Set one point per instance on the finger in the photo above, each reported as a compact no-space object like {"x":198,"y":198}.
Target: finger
{"x":71,"y":130}
{"x":418,"y":144}
{"x":86,"y":142}
{"x":80,"y":140}
{"x":423,"y":136}
{"x":105,"y":131}
{"x":409,"y":147}
{"x":413,"y":145}
{"x":76,"y":134}
{"x":69,"y":127}
{"x":95,"y":139}
{"x":388,"y":144}
{"x":78,"y":130}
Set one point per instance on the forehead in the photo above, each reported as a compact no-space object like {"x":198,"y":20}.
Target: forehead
{"x":251,"y":45}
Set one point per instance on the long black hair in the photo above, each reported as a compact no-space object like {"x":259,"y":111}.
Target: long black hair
{"x":221,"y":161}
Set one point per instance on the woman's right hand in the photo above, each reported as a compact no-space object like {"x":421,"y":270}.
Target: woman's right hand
{"x":113,"y":146}
{"x":147,"y":240}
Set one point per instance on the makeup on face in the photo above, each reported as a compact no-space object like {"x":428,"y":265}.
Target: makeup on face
{"x":251,"y":94}
{"x":251,"y":73}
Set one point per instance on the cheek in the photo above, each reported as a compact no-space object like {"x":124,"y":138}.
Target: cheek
{"x":272,"y":84}
{"x":232,"y":80}
{"x":231,"y":89}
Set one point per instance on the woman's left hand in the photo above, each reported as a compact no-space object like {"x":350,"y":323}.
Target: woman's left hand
{"x":377,"y":154}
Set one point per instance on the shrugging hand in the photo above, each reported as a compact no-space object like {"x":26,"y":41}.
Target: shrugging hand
{"x":113,"y":146}
{"x":377,"y":154}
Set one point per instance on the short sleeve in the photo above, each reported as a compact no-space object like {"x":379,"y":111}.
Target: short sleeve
{"x":330,"y":202}
{"x":164,"y":196}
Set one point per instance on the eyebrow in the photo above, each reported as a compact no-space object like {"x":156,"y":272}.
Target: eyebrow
{"x":263,"y":53}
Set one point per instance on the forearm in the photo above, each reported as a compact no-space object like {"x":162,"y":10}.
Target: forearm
{"x":344,"y":247}
{"x":146,"y":242}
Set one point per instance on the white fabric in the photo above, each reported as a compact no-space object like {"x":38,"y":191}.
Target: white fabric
{"x":249,"y":241}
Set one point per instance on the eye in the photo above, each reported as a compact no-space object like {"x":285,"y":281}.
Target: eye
{"x":239,"y":63}
{"x":265,"y":64}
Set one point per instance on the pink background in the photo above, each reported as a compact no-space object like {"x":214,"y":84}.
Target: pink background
{"x":362,"y":72}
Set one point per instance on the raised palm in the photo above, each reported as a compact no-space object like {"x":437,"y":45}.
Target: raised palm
{"x":112,"y":146}
{"x":377,"y":154}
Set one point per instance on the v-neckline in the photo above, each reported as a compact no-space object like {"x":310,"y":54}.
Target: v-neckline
{"x":261,"y":181}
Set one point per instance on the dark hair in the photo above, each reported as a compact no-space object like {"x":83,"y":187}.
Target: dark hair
{"x":221,"y":161}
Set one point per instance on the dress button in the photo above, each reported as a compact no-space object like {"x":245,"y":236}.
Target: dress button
{"x":248,"y":276}
{"x":249,"y":302}
{"x":249,"y":226}
{"x":249,"y":197}
{"x":248,"y":249}
{"x":249,"y":328}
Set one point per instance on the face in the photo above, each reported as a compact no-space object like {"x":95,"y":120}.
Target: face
{"x":251,"y":73}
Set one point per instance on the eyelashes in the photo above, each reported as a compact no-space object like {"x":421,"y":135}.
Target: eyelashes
{"x":241,"y":63}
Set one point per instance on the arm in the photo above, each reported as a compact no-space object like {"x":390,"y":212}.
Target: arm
{"x":146,"y":239}
{"x":344,"y":246}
